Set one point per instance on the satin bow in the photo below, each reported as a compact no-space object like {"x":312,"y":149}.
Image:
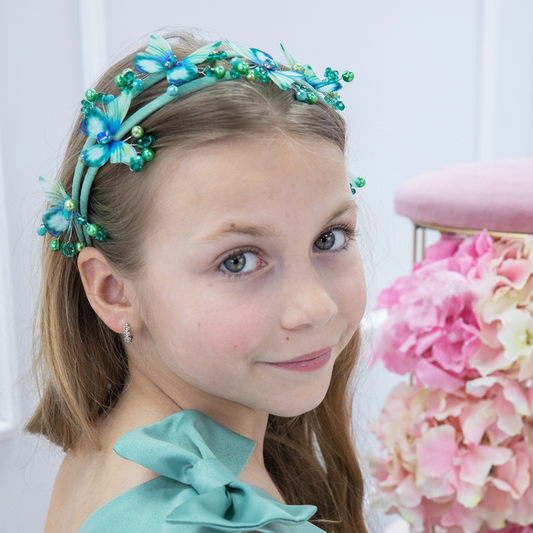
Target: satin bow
{"x":208,"y":457}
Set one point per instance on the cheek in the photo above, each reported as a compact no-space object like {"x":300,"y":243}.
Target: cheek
{"x":351,"y":290}
{"x":213,"y":324}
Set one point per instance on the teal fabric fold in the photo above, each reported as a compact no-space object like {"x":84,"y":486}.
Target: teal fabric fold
{"x":198,"y":490}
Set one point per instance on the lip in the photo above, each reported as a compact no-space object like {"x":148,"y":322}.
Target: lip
{"x":307,"y":362}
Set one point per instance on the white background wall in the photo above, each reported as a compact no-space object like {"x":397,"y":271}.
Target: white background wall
{"x":437,"y":82}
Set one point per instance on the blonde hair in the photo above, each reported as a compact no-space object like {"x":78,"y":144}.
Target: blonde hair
{"x":82,"y":365}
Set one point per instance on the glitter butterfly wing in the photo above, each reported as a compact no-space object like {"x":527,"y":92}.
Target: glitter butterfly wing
{"x":247,"y":53}
{"x":290,"y":59}
{"x":56,"y":218}
{"x":117,"y":110}
{"x":157,"y":53}
{"x":186,"y":69}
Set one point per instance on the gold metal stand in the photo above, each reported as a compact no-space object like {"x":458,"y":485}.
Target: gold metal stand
{"x":451,"y":230}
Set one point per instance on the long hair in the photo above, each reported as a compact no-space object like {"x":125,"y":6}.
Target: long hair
{"x":81,"y":364}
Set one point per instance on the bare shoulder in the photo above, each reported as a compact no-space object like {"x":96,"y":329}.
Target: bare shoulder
{"x":86,"y":480}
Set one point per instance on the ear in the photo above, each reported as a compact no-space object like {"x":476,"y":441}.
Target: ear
{"x":106,"y":291}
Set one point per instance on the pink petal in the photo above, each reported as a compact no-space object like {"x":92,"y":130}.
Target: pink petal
{"x":407,"y":493}
{"x":467,"y":519}
{"x":478,"y":461}
{"x":435,"y":451}
{"x":435,"y":377}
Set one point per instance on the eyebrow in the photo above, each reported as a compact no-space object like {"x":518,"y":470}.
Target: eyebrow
{"x":268,"y":232}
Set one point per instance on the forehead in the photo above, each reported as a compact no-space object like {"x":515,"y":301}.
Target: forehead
{"x":264,"y":179}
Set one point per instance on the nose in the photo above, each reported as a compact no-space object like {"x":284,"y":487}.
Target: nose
{"x":307,"y":302}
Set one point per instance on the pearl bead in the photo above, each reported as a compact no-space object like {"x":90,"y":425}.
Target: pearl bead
{"x":120,"y":81}
{"x":54,"y":245}
{"x":91,"y":95}
{"x":348,"y":75}
{"x":137,"y":84}
{"x":172,"y":90}
{"x":251,"y":76}
{"x":69,"y":205}
{"x":80,"y":246}
{"x":220,"y":71}
{"x":137,"y":132}
{"x":297,"y":67}
{"x":148,"y":154}
{"x":235,"y":61}
{"x":312,"y":98}
{"x":360,"y":182}
{"x":92,"y":229}
{"x":301,"y":95}
{"x":242,"y":68}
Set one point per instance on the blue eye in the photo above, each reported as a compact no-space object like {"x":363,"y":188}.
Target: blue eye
{"x":241,"y":262}
{"x":331,"y":240}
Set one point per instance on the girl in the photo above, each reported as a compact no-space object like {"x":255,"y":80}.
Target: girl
{"x":200,"y":312}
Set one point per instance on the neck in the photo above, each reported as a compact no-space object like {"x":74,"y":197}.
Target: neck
{"x":145,"y":402}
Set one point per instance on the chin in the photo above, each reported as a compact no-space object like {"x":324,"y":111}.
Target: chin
{"x":298,"y":406}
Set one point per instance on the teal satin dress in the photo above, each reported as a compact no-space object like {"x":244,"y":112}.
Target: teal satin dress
{"x":198,"y":490}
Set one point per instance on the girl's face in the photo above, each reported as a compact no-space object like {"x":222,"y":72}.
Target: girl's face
{"x":251,"y":262}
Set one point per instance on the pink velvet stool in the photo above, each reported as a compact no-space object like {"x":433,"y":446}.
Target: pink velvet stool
{"x":492,"y":195}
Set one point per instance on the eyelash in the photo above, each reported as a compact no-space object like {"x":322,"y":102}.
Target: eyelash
{"x":349,"y":231}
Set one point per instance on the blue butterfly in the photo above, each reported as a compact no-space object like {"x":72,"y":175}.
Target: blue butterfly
{"x":324,"y":86}
{"x":102,"y":126}
{"x":56,"y":219}
{"x":284,"y":79}
{"x":159,"y":57}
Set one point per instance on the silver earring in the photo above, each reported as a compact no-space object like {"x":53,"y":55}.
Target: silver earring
{"x":127,"y":334}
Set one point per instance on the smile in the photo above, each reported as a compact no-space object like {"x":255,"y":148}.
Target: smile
{"x":307,"y":362}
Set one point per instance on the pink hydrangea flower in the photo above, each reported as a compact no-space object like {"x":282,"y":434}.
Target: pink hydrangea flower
{"x":458,"y":442}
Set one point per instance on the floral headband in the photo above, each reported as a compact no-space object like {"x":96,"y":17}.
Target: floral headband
{"x":114,"y":139}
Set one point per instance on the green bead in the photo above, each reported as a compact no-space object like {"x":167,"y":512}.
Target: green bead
{"x":137,"y":132}
{"x":80,"y":246}
{"x":92,"y":229}
{"x":360,"y":182}
{"x":348,"y":76}
{"x":54,"y":245}
{"x":251,"y":76}
{"x":91,"y":95}
{"x":233,"y":73}
{"x":242,"y":68}
{"x":147,"y":154}
{"x":128,"y":75}
{"x":297,"y":67}
{"x":223,"y":55}
{"x":69,"y":205}
{"x":209,"y":58}
{"x":68,"y":249}
{"x":312,"y":98}
{"x":120,"y":81}
{"x":146,"y":141}
{"x":220,"y":71}
{"x":101,"y":235}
